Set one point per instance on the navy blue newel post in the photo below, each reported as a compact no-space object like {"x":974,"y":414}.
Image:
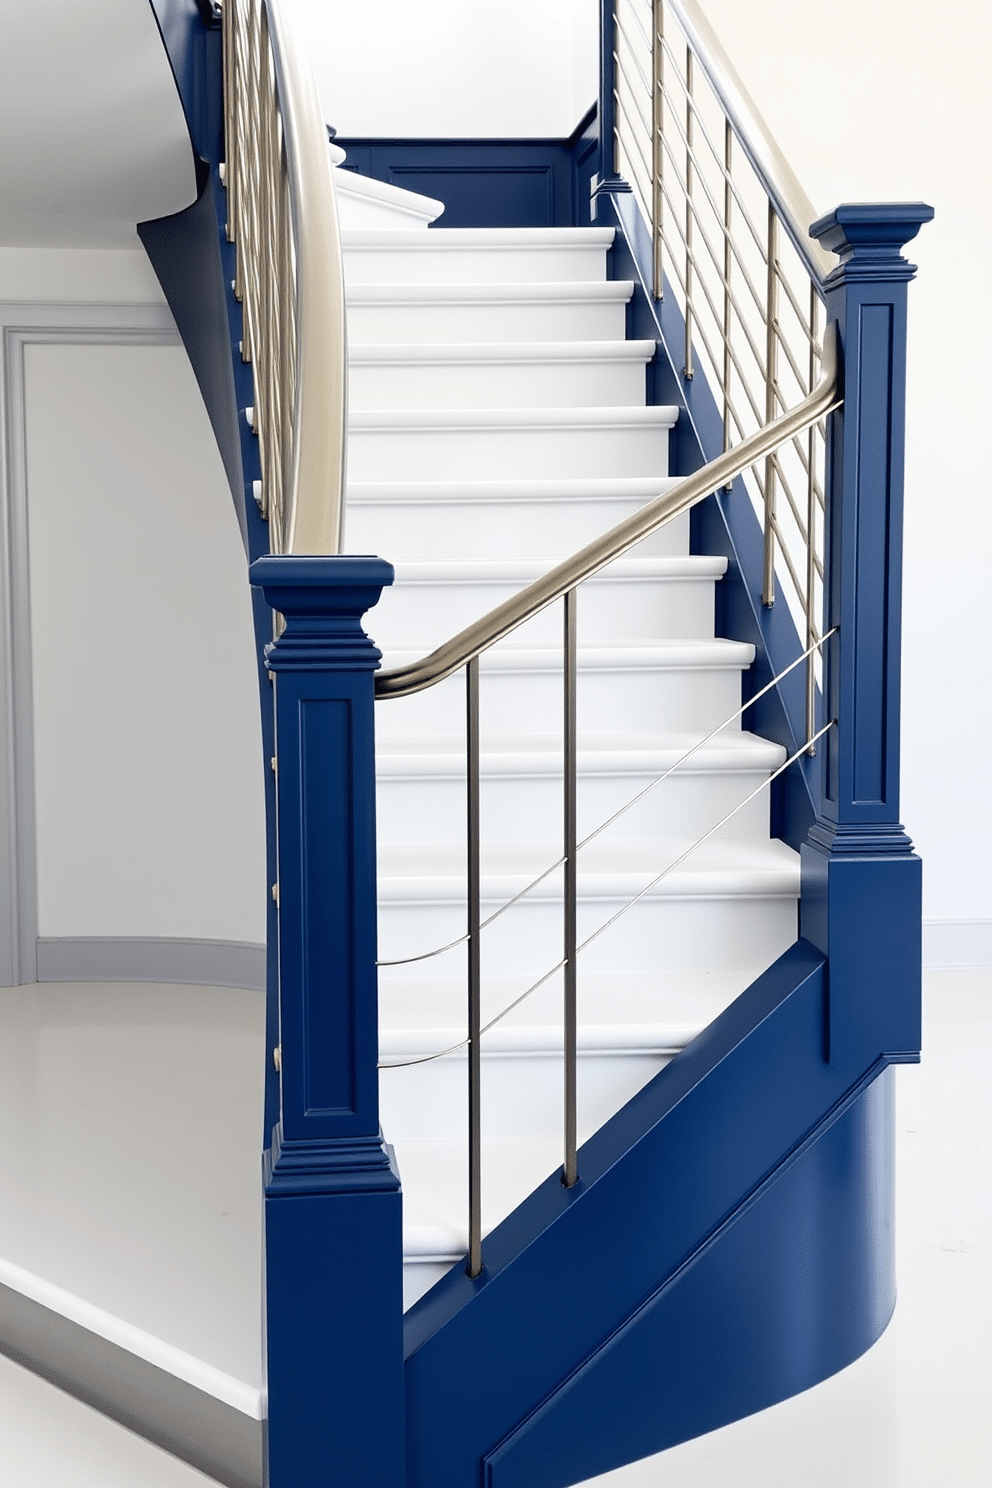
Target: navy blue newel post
{"x":861,"y":900}
{"x":333,"y":1262}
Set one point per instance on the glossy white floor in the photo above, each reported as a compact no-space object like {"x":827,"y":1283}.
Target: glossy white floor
{"x":913,"y":1413}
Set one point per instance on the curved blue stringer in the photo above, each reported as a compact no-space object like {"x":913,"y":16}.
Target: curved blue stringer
{"x":793,"y":1276}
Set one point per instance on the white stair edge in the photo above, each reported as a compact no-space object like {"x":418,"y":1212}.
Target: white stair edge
{"x":509,"y":570}
{"x":206,"y":1378}
{"x":460,"y":239}
{"x":357,"y":193}
{"x":484,"y":353}
{"x":381,"y":420}
{"x":509,"y":1041}
{"x":642,"y":488}
{"x":566,"y":292}
{"x":602,"y":656}
{"x":436,"y":758}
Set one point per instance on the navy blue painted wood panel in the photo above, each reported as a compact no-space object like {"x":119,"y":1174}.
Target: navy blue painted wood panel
{"x":489,"y":183}
{"x":667,"y":1178}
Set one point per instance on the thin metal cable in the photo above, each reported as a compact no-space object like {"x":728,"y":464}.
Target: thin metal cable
{"x":454,"y":1048}
{"x":462,"y":939}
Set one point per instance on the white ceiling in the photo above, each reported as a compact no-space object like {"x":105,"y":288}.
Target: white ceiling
{"x":92,"y":135}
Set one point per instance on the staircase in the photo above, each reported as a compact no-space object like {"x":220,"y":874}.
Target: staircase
{"x":497,"y":423}
{"x":727,"y":1242}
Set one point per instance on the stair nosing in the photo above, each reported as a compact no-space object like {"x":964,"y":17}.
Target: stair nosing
{"x":508,"y":353}
{"x":659,"y":416}
{"x":577,"y":291}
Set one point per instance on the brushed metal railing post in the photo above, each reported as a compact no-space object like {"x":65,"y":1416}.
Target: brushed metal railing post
{"x":473,"y":854}
{"x":771,"y":374}
{"x":687,"y":366}
{"x":570,"y":834}
{"x":657,"y":152}
{"x":811,"y":622}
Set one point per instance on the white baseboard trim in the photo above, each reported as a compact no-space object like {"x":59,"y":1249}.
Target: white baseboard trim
{"x":949,"y":944}
{"x":200,"y":963}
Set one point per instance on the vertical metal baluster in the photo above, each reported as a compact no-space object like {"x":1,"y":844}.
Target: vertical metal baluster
{"x":570,"y":834}
{"x":657,"y":153}
{"x":474,"y":972}
{"x":771,"y":376}
{"x":687,"y":368}
{"x":728,"y":258}
{"x":616,"y":112}
{"x":811,"y":622}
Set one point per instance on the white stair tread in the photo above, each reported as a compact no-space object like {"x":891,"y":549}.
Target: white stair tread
{"x":405,"y":208}
{"x":452,"y":239}
{"x":525,"y":570}
{"x":671,"y":1006}
{"x":658,"y":416}
{"x":718,"y":868}
{"x":472,"y":353}
{"x":434,"y":1179}
{"x":597,"y":488}
{"x":614,"y":755}
{"x":563,"y":292}
{"x":628,"y":656}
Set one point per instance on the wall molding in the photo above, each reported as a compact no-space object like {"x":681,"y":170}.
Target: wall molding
{"x":151,"y":958}
{"x":24,"y":324}
{"x":956,"y":944}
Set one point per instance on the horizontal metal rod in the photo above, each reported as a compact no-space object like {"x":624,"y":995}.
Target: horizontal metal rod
{"x":773,"y":170}
{"x":505,"y":618}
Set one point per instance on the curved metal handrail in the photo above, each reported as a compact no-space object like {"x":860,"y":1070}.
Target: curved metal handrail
{"x":296,"y":342}
{"x":792,"y":204}
{"x":513,"y":612}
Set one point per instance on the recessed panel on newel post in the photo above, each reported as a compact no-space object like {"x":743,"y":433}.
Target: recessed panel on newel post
{"x":861,"y":899}
{"x":333,"y":1238}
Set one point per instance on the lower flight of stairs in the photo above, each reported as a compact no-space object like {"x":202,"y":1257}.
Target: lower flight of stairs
{"x":498,"y":422}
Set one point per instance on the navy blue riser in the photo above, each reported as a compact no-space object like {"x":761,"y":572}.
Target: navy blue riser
{"x":489,"y":183}
{"x":729,"y":1243}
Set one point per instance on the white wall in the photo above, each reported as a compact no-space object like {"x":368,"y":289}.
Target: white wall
{"x":887,"y":100}
{"x":442,"y":68}
{"x":147,"y":747}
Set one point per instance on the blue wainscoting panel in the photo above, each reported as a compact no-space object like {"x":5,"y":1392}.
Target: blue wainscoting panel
{"x":489,"y":183}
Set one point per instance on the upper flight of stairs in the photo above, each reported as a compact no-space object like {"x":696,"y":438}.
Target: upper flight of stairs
{"x":498,"y":423}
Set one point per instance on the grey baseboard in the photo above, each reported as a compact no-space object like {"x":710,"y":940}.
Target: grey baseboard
{"x":950,"y":944}
{"x":202,"y":963}
{"x":188,"y":1422}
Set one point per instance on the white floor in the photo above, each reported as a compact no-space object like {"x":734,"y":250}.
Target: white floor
{"x":916,"y":1412}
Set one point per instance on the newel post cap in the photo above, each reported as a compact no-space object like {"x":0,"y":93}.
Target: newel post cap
{"x":298,"y":585}
{"x":870,"y":235}
{"x":322,"y":601}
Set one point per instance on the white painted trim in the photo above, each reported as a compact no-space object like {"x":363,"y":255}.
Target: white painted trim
{"x":21,"y":325}
{"x":147,"y":958}
{"x":950,"y":944}
{"x":165,"y":1356}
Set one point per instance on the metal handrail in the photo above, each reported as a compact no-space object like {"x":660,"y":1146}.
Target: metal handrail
{"x":513,"y":612}
{"x":791,"y":202}
{"x":283,"y":216}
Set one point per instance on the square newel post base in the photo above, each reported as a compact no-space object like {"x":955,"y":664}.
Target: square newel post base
{"x":333,"y":1318}
{"x":863,"y":908}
